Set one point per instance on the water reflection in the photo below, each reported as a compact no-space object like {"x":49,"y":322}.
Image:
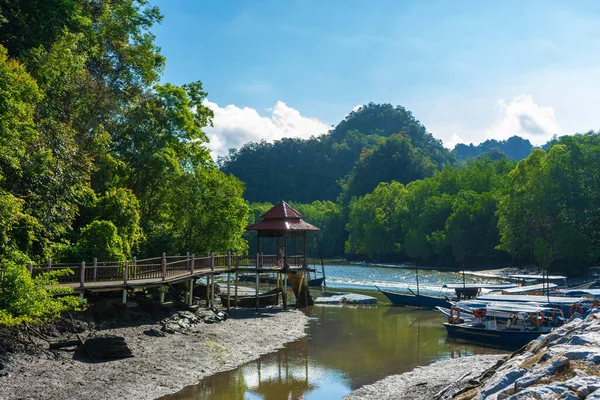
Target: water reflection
{"x":346,"y":349}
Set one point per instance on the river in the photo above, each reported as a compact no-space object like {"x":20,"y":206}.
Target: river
{"x":347,"y":347}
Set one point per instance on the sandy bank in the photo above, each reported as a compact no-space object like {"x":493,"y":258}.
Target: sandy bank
{"x":161,"y":365}
{"x":424,"y":383}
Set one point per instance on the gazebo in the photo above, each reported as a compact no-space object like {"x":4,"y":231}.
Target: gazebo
{"x":282,"y":221}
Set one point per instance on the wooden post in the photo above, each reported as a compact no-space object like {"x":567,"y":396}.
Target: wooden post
{"x":236,"y":288}
{"x":82,"y":277}
{"x":284,"y":297}
{"x":81,"y":298}
{"x":95,"y":268}
{"x":164,"y":266}
{"x":30,"y":268}
{"x":124,"y":296}
{"x":212,"y":279}
{"x":229,"y":259}
{"x":323,"y":271}
{"x":126,"y":273}
{"x":228,"y":290}
{"x":49,"y":265}
{"x":300,"y":289}
{"x":162,"y":296}
{"x":191,"y":293}
{"x":304,"y":250}
{"x":257,"y":264}
{"x":193,"y":264}
{"x":187,"y":260}
{"x":135,"y":274}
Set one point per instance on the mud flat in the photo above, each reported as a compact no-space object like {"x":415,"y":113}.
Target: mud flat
{"x":160,"y":364}
{"x":440,"y":379}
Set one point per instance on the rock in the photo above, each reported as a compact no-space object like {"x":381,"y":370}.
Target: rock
{"x":154,"y":332}
{"x":105,"y":348}
{"x":562,"y":364}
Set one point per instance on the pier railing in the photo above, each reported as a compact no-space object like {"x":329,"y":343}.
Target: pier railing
{"x":158,"y":268}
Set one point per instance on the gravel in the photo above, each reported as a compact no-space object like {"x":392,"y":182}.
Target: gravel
{"x":160,"y":365}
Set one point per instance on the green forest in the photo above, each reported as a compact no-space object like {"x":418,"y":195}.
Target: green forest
{"x":398,"y":195}
{"x":98,"y":157}
{"x":101,"y":158}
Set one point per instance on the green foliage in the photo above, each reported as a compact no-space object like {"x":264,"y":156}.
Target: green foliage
{"x":205,"y":212}
{"x":387,"y":120}
{"x":329,"y":218}
{"x":393,"y":159}
{"x":121,"y":207}
{"x":514,"y":147}
{"x":309,"y":170}
{"x":100,"y":239}
{"x":447,"y":218}
{"x":375,"y":222}
{"x":549,"y":210}
{"x":27,"y":300}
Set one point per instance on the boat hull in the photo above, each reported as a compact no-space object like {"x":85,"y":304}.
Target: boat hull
{"x":492,"y":337}
{"x":401,"y":299}
{"x":316,"y":282}
{"x":264,"y":299}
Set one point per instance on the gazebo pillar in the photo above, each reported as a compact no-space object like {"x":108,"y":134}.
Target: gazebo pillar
{"x":304,"y":252}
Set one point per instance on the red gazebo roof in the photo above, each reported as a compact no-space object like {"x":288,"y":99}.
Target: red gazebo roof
{"x":281,"y":220}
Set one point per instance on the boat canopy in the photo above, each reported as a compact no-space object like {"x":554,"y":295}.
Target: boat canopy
{"x":595,"y":293}
{"x":516,"y":307}
{"x":514,"y":298}
{"x":479,"y":286}
{"x":538,"y":277}
{"x":529,"y":288}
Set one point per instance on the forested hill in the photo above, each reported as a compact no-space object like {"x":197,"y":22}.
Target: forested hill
{"x":514,"y":147}
{"x":377,"y":142}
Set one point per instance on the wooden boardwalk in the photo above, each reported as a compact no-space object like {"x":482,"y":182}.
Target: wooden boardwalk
{"x":160,"y":271}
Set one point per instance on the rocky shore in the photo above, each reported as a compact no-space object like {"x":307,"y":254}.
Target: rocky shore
{"x":436,"y":381}
{"x":564,"y":364}
{"x":166,"y":357}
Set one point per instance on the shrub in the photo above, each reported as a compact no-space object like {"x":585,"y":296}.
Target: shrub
{"x":32,"y":300}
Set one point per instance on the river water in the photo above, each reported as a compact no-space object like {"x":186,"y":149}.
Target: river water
{"x":347,"y":347}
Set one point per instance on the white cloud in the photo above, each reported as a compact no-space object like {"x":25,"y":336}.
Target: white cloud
{"x":523,"y":117}
{"x":235,"y":126}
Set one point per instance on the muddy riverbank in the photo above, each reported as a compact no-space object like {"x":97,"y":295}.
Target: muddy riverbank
{"x":159,"y":366}
{"x":441,"y":379}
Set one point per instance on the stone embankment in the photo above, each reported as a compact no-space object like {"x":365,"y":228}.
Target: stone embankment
{"x":563,"y":364}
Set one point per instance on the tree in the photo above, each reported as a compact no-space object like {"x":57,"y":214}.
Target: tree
{"x":375,"y":222}
{"x":100,"y":239}
{"x":27,"y":300}
{"x":393,"y":159}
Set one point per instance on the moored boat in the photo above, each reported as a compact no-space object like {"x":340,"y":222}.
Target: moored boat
{"x":504,"y":324}
{"x":568,"y":305}
{"x":315,"y":282}
{"x":415,"y":300}
{"x":270,"y":298}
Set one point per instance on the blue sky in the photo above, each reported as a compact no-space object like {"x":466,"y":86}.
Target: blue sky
{"x":468,"y":70}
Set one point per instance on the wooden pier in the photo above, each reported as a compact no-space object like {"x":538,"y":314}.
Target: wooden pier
{"x":136,"y":274}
